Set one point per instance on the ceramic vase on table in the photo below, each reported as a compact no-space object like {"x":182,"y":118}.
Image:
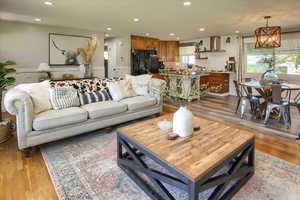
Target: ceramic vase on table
{"x":183,"y":122}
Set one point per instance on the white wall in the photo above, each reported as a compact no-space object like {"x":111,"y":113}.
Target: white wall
{"x":217,"y":60}
{"x":119,"y":55}
{"x":27,"y":44}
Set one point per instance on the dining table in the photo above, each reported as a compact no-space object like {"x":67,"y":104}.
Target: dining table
{"x":265,"y":90}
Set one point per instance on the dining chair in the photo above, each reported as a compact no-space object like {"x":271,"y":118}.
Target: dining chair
{"x":296,"y":103}
{"x":281,"y":103}
{"x":250,"y":90}
{"x":245,"y":100}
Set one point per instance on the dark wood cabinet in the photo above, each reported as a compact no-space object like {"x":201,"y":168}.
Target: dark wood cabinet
{"x":216,"y":82}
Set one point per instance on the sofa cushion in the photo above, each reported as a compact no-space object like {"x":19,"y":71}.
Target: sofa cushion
{"x":39,"y":93}
{"x":138,"y":102}
{"x":63,"y":97}
{"x":56,"y":118}
{"x":104,"y":108}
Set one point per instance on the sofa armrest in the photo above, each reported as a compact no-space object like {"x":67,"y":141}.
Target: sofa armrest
{"x":19,"y":103}
{"x":157,"y":88}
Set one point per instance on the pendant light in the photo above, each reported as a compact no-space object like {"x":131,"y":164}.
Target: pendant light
{"x":268,"y":37}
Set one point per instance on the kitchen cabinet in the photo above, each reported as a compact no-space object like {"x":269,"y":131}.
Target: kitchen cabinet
{"x":144,"y":43}
{"x":172,"y":51}
{"x":167,"y":51}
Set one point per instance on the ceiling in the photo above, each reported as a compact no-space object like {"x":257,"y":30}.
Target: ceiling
{"x":159,"y":18}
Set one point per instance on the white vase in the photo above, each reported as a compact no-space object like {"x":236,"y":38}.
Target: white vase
{"x":183,"y":122}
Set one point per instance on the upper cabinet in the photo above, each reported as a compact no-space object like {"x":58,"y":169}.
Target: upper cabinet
{"x":144,"y":43}
{"x":172,"y":51}
{"x":168,"y":51}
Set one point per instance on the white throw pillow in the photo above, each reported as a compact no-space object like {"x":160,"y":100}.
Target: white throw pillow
{"x":120,"y":90}
{"x":39,"y":93}
{"x":140,"y":83}
{"x":64,"y":97}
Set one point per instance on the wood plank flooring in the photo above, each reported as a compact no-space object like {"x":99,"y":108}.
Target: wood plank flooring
{"x":223,"y":108}
{"x":28,"y":179}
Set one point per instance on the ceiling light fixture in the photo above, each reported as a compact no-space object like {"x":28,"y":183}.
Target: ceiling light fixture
{"x":106,"y":35}
{"x":48,"y":3}
{"x":202,"y":29}
{"x":108,"y":28}
{"x":237,"y":32}
{"x":187,"y":3}
{"x":136,"y":19}
{"x":268,"y":37}
{"x":37,"y":19}
{"x":172,"y":34}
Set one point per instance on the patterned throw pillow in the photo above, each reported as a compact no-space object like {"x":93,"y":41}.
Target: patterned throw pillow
{"x":63,"y":97}
{"x":92,"y":97}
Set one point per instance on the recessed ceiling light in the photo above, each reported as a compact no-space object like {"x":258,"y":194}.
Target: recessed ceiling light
{"x":48,"y":3}
{"x":187,"y":3}
{"x":136,"y":19}
{"x":172,"y":34}
{"x":106,"y":35}
{"x":37,"y":19}
{"x":237,"y":32}
{"x":108,"y":28}
{"x":202,"y":29}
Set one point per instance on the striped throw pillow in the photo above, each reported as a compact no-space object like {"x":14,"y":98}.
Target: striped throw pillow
{"x":92,"y":97}
{"x":64,"y":97}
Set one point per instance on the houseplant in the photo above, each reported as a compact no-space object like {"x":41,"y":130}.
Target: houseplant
{"x":87,"y":54}
{"x":5,"y":125}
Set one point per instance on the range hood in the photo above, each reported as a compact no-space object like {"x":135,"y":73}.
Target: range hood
{"x":215,"y":44}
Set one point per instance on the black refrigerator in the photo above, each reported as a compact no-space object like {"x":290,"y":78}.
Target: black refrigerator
{"x":145,"y":62}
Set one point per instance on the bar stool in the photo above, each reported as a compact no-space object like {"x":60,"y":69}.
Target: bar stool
{"x":282,"y":105}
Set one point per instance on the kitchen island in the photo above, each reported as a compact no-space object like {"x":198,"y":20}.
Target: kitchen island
{"x":183,"y":84}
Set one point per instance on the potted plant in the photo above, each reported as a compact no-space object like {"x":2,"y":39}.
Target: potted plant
{"x":5,"y":125}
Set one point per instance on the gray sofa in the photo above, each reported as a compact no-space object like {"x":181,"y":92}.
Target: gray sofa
{"x":35,"y":129}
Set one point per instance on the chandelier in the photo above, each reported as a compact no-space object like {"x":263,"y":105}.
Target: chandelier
{"x":268,"y":37}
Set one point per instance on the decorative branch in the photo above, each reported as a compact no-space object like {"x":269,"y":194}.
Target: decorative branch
{"x":88,"y":51}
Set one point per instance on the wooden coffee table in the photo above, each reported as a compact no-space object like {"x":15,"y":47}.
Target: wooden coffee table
{"x":192,"y":163}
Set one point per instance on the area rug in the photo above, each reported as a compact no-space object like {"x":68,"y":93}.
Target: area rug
{"x":85,"y":168}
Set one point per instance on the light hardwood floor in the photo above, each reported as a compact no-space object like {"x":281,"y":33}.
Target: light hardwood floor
{"x":27,"y":178}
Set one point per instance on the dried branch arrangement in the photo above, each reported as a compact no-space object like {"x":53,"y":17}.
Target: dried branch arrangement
{"x":88,"y":51}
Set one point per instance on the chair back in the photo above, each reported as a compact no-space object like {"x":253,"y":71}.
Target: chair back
{"x":280,"y":93}
{"x":276,"y":94}
{"x":237,"y":88}
{"x":249,"y":89}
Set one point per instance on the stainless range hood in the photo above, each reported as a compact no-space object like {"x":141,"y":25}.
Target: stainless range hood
{"x":215,"y":44}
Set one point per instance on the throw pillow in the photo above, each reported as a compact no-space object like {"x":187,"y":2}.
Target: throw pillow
{"x":140,"y":83}
{"x":63,"y":97}
{"x":39,"y":93}
{"x":120,"y":90}
{"x":92,"y":97}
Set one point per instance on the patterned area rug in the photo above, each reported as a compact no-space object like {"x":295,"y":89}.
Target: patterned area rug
{"x":84,"y":167}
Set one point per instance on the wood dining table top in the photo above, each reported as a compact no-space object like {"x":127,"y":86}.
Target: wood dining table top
{"x":258,"y":85}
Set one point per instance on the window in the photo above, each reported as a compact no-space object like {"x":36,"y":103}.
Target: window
{"x":185,"y":60}
{"x":287,"y":57}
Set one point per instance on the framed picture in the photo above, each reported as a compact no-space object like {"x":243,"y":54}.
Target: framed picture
{"x":63,"y":49}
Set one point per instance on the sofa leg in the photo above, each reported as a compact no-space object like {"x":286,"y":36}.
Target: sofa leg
{"x":157,"y":115}
{"x":28,"y":152}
